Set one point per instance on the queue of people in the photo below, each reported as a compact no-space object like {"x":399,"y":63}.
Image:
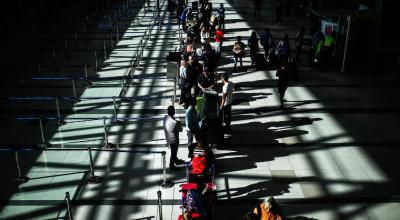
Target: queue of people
{"x":201,"y":50}
{"x":208,"y":108}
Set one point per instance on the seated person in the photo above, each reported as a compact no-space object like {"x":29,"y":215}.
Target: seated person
{"x":268,"y":209}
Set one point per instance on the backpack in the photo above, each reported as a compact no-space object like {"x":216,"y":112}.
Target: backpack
{"x":199,"y":164}
{"x":183,"y":15}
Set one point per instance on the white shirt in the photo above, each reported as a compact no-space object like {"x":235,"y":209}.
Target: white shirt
{"x":171,"y":129}
{"x":228,"y":89}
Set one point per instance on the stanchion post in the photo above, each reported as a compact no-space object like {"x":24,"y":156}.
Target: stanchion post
{"x":160,"y":214}
{"x":137,"y":60}
{"x":75,"y":98}
{"x":53,"y":54}
{"x":22,"y":86}
{"x":66,"y":56}
{"x":87,"y":82}
{"x":158,"y":15}
{"x":69,"y":208}
{"x":75,"y":40}
{"x":115,"y":120}
{"x":106,"y":143}
{"x":187,"y":172}
{"x":93,"y":178}
{"x":105,"y":50}
{"x":142,"y":48}
{"x":44,"y":144}
{"x":19,"y":179}
{"x":95,"y":61}
{"x":84,"y":31}
{"x":59,"y":121}
{"x":111,"y":40}
{"x":174,"y":97}
{"x":165,"y":183}
{"x":117,"y":33}
{"x":39,"y":68}
{"x":124,"y":87}
{"x":150,"y":33}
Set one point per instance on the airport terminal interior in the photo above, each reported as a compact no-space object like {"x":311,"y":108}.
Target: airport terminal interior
{"x":85,"y":86}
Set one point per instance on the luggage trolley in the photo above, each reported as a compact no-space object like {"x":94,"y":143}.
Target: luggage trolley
{"x":198,"y":194}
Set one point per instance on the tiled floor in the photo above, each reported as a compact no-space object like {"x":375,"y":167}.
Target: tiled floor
{"x":331,"y":154}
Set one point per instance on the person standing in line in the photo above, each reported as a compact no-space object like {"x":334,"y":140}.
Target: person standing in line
{"x":283,"y":50}
{"x":253,"y":45}
{"x":283,"y":81}
{"x":257,"y":8}
{"x":221,"y":16}
{"x":205,"y":35}
{"x":266,"y":41}
{"x":192,"y":124}
{"x":238,"y":52}
{"x":278,"y":11}
{"x":299,"y":41}
{"x":183,"y":75}
{"x":219,"y":37}
{"x":398,"y":71}
{"x":226,"y":103}
{"x":172,"y":127}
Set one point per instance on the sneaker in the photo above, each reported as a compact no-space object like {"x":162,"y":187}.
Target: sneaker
{"x":227,"y":135}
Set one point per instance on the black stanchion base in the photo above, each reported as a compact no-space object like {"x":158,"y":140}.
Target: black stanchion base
{"x":167,"y":184}
{"x":60,"y":123}
{"x":95,"y":179}
{"x":20,"y":180}
{"x":126,"y":100}
{"x":117,"y":122}
{"x":173,"y":100}
{"x":24,"y":101}
{"x":44,"y":145}
{"x":88,"y":83}
{"x":109,"y":145}
{"x":75,"y":100}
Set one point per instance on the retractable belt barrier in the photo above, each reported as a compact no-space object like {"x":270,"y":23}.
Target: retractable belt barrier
{"x":60,"y":121}
{"x":21,"y":178}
